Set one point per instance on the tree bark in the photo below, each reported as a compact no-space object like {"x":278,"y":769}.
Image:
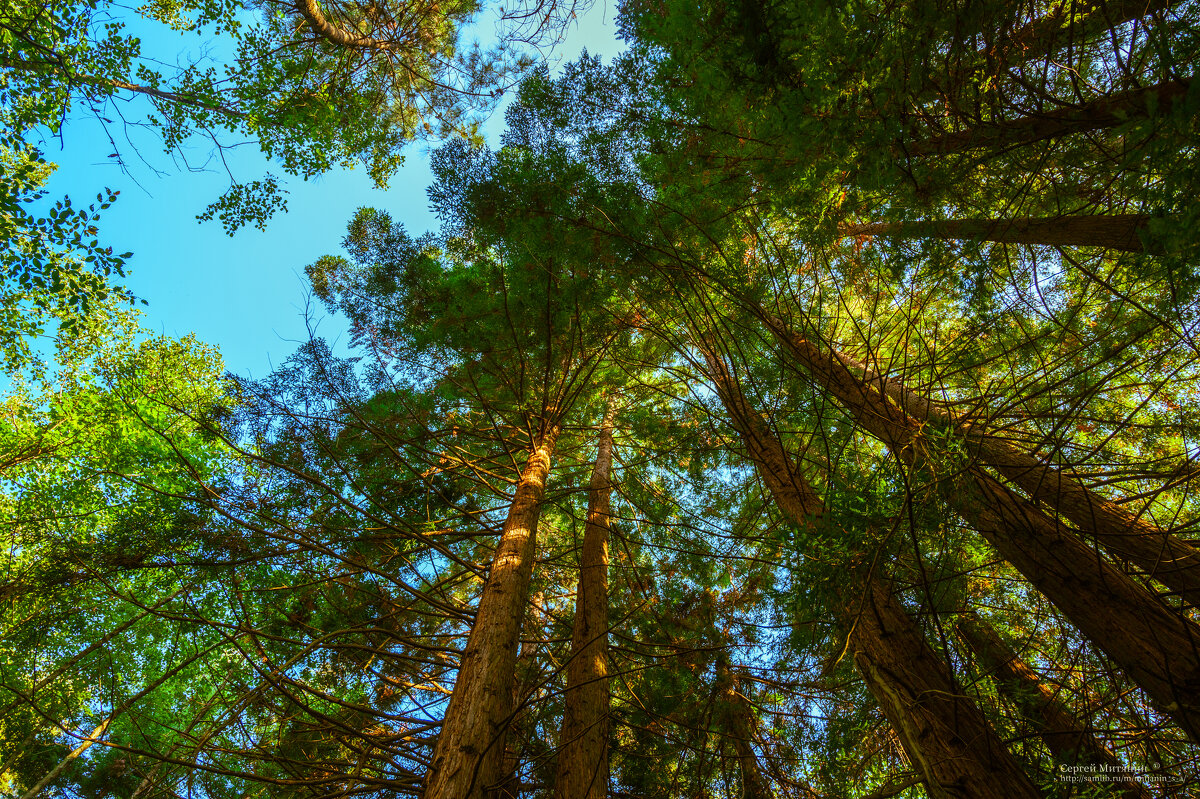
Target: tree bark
{"x":942,"y":731}
{"x":1100,"y":114}
{"x":895,"y":415}
{"x":1069,"y":741}
{"x":354,"y":40}
{"x":583,"y":755}
{"x":1114,"y":232}
{"x":468,"y":758}
{"x":739,"y":726}
{"x":1156,"y":647}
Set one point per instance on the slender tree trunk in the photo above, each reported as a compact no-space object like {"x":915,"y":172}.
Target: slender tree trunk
{"x":1157,"y":648}
{"x":468,"y":757}
{"x":739,"y":729}
{"x":1115,"y":232}
{"x":1100,"y":114}
{"x":1069,"y":741}
{"x":895,"y":415}
{"x":942,"y":731}
{"x":583,"y":756}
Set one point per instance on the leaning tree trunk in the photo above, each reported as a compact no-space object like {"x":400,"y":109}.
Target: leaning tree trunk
{"x":1156,"y":647}
{"x":468,"y":757}
{"x":1115,"y":232}
{"x":583,"y":755}
{"x":1100,"y":114}
{"x":943,"y":733}
{"x":894,"y":415}
{"x":1069,"y":741}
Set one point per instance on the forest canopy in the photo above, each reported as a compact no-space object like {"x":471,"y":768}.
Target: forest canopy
{"x":803,"y":404}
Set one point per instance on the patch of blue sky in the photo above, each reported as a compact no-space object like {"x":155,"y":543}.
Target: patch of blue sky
{"x":247,"y":293}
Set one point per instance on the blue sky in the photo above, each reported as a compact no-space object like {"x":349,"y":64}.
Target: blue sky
{"x":246,"y":293}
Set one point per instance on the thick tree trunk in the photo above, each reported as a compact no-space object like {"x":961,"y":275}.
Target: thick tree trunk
{"x":468,"y":757}
{"x":1156,"y":647}
{"x":1071,"y":22}
{"x":943,"y":732}
{"x":895,"y":415}
{"x":739,"y":726}
{"x":1115,"y":232}
{"x":1101,"y":114}
{"x":583,"y":756}
{"x":1069,"y":741}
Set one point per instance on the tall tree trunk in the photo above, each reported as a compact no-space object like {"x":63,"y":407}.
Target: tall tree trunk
{"x":468,"y":757}
{"x":583,"y":756}
{"x":895,"y":415}
{"x":1115,"y":232}
{"x":1100,"y":114}
{"x":942,"y":731}
{"x":1069,"y":741}
{"x":739,"y":729}
{"x":525,"y":680}
{"x":1157,"y":648}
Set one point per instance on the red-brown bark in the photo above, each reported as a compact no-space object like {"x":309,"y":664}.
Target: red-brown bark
{"x":1156,"y":647}
{"x":583,"y":754}
{"x":1100,"y":114}
{"x":942,"y":731}
{"x":1113,"y":232}
{"x":468,"y":758}
{"x":895,"y":415}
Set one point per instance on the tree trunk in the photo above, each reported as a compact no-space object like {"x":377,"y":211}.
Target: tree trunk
{"x":895,"y":415}
{"x":739,"y":726}
{"x":468,"y":758}
{"x":1157,"y":648}
{"x":583,"y":755}
{"x":1071,"y":22}
{"x":1068,"y":740}
{"x":1100,"y":114}
{"x":1115,"y":232}
{"x":943,"y":732}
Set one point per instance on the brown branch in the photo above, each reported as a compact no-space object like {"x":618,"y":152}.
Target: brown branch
{"x":43,"y":67}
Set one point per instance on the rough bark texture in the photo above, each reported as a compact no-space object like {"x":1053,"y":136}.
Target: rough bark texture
{"x":1156,"y":647}
{"x":1103,"y":113}
{"x":1069,"y":741}
{"x":583,"y":755}
{"x":468,"y":758}
{"x":1115,"y":232}
{"x":895,"y":415}
{"x":738,"y":719}
{"x":943,"y":732}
